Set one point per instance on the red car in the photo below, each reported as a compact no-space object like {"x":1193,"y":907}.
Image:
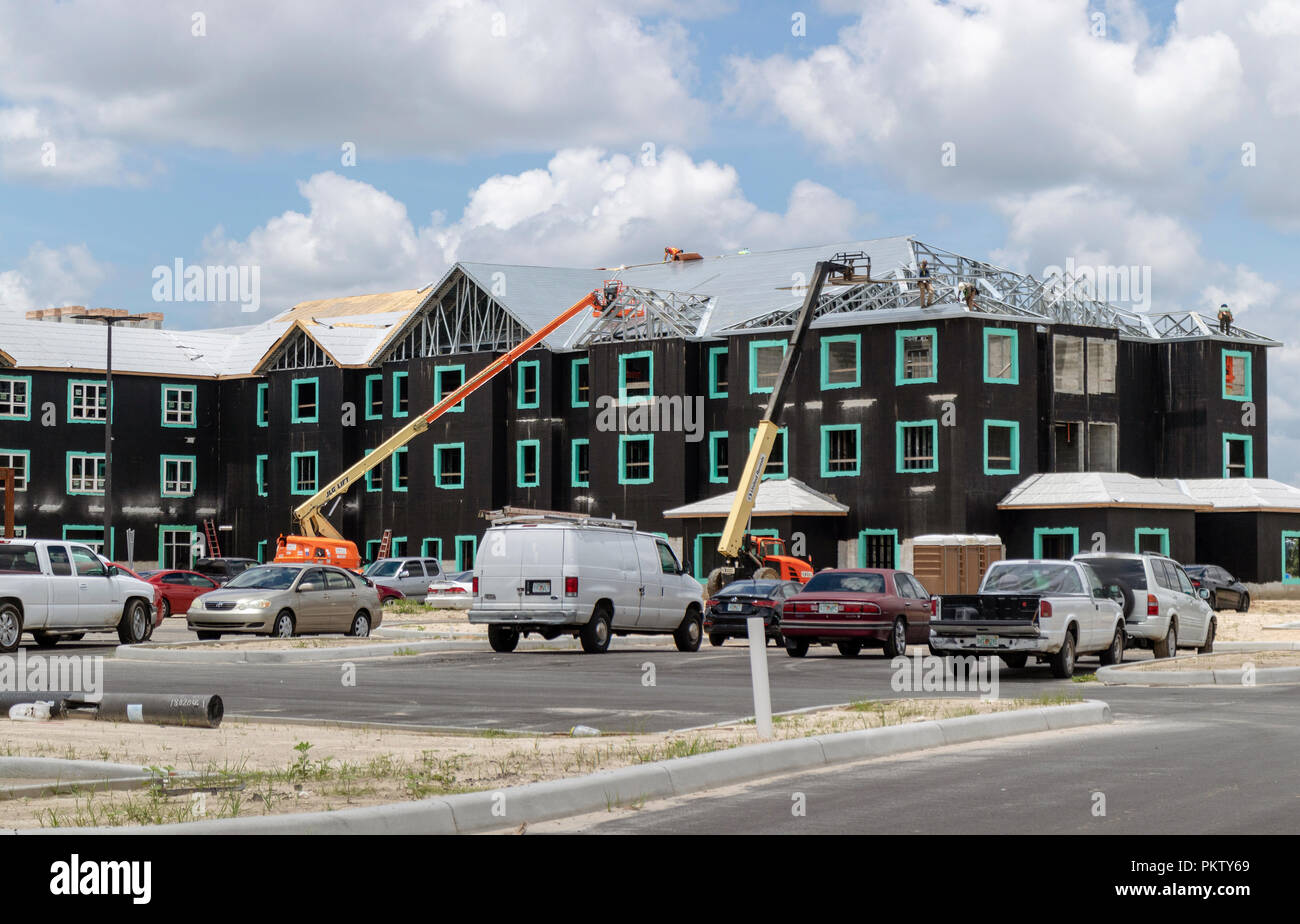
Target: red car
{"x":157,"y":599}
{"x":178,"y":588}
{"x":856,"y":607}
{"x":388,"y":594}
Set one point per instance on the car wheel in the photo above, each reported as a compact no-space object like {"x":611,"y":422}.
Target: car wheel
{"x":45,"y":639}
{"x":1208,"y":647}
{"x":1015,"y":661}
{"x":1063,"y":661}
{"x":849,"y":649}
{"x":766,"y":574}
{"x":1167,"y":647}
{"x":796,"y":647}
{"x":166,"y":608}
{"x":283,"y":625}
{"x":716,"y":639}
{"x":208,"y":636}
{"x":896,"y":644}
{"x":690,"y":633}
{"x":503,"y":639}
{"x":1244,"y":606}
{"x":778,"y":640}
{"x":595,"y":634}
{"x":135,"y":624}
{"x":1115,"y":653}
{"x":715,"y":583}
{"x":360,"y":626}
{"x":11,"y":627}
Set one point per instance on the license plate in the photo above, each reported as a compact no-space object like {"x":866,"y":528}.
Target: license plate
{"x":828,"y":607}
{"x":734,"y":607}
{"x":986,"y":641}
{"x":539,"y":587}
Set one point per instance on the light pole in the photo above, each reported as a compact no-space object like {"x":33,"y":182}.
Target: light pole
{"x":109,"y":320}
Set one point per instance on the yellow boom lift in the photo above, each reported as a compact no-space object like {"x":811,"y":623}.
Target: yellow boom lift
{"x":318,"y":538}
{"x":744,"y":554}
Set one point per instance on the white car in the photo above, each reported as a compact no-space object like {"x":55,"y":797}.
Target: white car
{"x":453,"y":592}
{"x":56,"y":590}
{"x":1051,"y":610}
{"x":588,"y":577}
{"x":1163,"y":611}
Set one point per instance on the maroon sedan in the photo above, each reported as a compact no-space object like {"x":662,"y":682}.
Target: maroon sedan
{"x":178,"y":588}
{"x":855,"y":607}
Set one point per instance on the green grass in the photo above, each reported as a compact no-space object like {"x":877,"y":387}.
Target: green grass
{"x":1083,"y":678}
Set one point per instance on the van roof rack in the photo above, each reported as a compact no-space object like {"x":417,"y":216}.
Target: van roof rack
{"x":505,"y":515}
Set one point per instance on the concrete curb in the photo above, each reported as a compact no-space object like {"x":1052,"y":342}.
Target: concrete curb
{"x":1258,"y":646}
{"x":1285,"y":625}
{"x":492,"y":811}
{"x":1117,"y":675}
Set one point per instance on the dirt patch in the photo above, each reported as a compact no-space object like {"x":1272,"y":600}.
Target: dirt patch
{"x":253,"y":768}
{"x":1227,"y":661}
{"x":1249,"y":627}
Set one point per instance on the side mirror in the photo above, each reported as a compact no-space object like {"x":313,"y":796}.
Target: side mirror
{"x":1115,"y":593}
{"x":686,"y":566}
{"x":112,"y":571}
{"x":1203,"y":593}
{"x":403,"y":574}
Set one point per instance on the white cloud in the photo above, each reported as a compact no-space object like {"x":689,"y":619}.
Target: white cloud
{"x":445,"y":77}
{"x":585,"y":208}
{"x":50,"y":278}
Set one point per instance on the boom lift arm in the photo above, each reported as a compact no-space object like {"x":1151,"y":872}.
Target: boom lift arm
{"x":310,"y":513}
{"x":733,"y":534}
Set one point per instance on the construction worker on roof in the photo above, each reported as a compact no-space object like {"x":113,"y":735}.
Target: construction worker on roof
{"x":967,"y":292}
{"x":923,"y":283}
{"x":672,"y":253}
{"x":1225,"y":320}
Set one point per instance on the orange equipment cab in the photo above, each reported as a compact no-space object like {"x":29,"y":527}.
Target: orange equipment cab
{"x":321,"y":551}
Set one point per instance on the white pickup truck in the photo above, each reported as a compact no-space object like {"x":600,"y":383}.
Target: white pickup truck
{"x":56,"y":590}
{"x":1053,"y":610}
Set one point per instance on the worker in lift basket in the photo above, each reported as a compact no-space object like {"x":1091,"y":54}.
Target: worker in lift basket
{"x":671,"y":253}
{"x":1225,"y":320}
{"x":923,"y":283}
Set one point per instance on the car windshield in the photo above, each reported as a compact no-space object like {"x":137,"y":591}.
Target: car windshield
{"x":829,"y":581}
{"x":1033,"y":578}
{"x":383,"y":568}
{"x":1127,"y":571}
{"x":748,"y":588}
{"x":269,"y":578}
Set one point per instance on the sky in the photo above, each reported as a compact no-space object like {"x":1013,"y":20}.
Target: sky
{"x":345,"y":147}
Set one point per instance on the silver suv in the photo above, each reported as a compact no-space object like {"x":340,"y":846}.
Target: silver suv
{"x":1162,"y":610}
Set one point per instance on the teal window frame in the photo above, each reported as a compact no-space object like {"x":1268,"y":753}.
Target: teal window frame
{"x":26,"y":380}
{"x":162,"y":475}
{"x":259,"y":474}
{"x":862,"y":545}
{"x":716,"y":391}
{"x":91,"y":528}
{"x":534,"y":367}
{"x":176,"y":528}
{"x":1162,"y":532}
{"x":294,"y":416}
{"x":754,"y":347}
{"x":263,"y":404}
{"x":900,"y":366}
{"x":699,"y":553}
{"x":27,"y":468}
{"x":372,"y":549}
{"x":574,"y":400}
{"x":902,"y":425}
{"x":293,"y":473}
{"x":623,"y":441}
{"x":714,"y":437}
{"x":856,"y":340}
{"x":438,"y":480}
{"x":1013,"y":378}
{"x":623,"y":397}
{"x":395,"y":471}
{"x":783,"y":434}
{"x":194,"y":406}
{"x":520,"y":447}
{"x":374,"y":477}
{"x":574,"y":480}
{"x":67,"y":473}
{"x":397,"y":547}
{"x":1288,"y":534}
{"x":71,"y":384}
{"x":402,"y":377}
{"x":826,"y":432}
{"x":1250,"y":453}
{"x":430,"y":542}
{"x":371,"y":382}
{"x":1250,"y":374}
{"x":1041,"y":531}
{"x":1014,"y":427}
{"x":460,"y":562}
{"x":439,"y":394}
{"x":261,"y":551}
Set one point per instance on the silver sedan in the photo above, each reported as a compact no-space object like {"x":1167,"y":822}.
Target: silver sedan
{"x":284,"y":600}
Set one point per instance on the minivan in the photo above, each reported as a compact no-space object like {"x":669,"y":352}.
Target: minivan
{"x":587,"y":577}
{"x":1163,"y":610}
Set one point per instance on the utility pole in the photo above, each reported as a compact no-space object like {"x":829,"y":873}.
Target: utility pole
{"x":109,"y":321}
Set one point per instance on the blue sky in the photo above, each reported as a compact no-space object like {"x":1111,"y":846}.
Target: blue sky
{"x":1108,"y":132}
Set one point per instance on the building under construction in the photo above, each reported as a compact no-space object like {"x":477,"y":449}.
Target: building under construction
{"x":1027,"y":410}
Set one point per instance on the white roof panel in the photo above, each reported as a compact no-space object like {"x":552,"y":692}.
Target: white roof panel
{"x":776,"y":498}
{"x":1097,"y":489}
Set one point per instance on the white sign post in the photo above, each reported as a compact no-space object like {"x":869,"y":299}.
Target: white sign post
{"x":758,"y":674}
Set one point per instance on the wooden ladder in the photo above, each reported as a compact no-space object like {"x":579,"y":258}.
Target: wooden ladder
{"x":385,"y":544}
{"x":210,"y":533}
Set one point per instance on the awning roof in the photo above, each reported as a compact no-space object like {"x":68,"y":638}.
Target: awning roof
{"x":1098,"y":489}
{"x":787,"y":497}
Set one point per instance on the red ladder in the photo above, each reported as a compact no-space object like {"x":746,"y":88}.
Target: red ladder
{"x":386,"y":543}
{"x":210,"y":533}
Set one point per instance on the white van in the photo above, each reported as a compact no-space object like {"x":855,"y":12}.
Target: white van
{"x":582,"y":576}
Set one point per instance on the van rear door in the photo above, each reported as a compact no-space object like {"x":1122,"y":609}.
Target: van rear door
{"x":497,"y":569}
{"x":541,"y":566}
